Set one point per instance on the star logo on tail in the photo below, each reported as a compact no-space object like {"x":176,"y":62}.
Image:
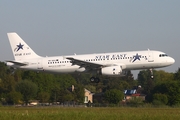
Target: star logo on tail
{"x":20,"y":46}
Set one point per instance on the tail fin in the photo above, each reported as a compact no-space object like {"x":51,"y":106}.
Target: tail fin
{"x":19,"y":48}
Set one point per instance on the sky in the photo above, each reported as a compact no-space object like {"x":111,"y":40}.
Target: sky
{"x":65,"y":27}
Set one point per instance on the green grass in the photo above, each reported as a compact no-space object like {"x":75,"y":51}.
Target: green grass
{"x":60,"y":113}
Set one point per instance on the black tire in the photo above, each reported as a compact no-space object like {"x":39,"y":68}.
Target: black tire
{"x":97,"y":80}
{"x":92,"y":79}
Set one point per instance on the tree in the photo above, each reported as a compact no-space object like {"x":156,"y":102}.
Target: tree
{"x":91,"y":88}
{"x":144,"y":78}
{"x":7,"y":84}
{"x":55,"y":92}
{"x":44,"y":81}
{"x":135,"y":101}
{"x":124,"y":85}
{"x":177,"y":75}
{"x":161,"y":75}
{"x":43,"y":97}
{"x":129,"y":79}
{"x":113,"y":96}
{"x":3,"y":69}
{"x":160,"y":98}
{"x":67,"y":96}
{"x":18,"y":75}
{"x":79,"y":93}
{"x":171,"y":89}
{"x":28,"y":90}
{"x":114,"y":84}
{"x":14,"y":97}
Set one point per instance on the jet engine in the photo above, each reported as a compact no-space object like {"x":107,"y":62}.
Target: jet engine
{"x":112,"y":71}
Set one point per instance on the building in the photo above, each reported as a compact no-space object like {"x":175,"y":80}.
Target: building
{"x":88,"y":96}
{"x":134,"y":93}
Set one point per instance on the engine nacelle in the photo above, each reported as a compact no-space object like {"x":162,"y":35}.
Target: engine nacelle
{"x":9,"y":64}
{"x":112,"y":71}
{"x":82,"y":69}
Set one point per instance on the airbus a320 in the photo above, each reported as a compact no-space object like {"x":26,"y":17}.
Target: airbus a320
{"x":109,"y":64}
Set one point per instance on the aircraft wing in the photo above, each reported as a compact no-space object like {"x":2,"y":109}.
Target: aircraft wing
{"x":18,"y":63}
{"x":86,"y":64}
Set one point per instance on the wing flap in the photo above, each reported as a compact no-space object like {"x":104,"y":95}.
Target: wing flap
{"x":85,"y":64}
{"x":90,"y":65}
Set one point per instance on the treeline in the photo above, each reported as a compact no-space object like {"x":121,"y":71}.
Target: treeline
{"x":19,"y":86}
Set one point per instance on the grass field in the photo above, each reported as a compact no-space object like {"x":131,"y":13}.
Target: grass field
{"x":61,"y":113}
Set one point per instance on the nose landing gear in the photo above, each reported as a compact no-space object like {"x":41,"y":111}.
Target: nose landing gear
{"x":151,"y":73}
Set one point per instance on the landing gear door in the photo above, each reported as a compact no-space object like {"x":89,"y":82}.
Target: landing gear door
{"x":150,"y":57}
{"x":39,"y":64}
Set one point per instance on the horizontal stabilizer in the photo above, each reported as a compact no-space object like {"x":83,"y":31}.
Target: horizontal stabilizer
{"x":18,"y":63}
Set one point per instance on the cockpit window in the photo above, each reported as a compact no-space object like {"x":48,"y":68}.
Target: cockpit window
{"x":163,"y":55}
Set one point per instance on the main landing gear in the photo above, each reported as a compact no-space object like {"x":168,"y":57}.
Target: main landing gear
{"x":12,"y":70}
{"x":94,"y":80}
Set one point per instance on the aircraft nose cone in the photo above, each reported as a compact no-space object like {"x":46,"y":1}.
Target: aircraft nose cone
{"x":172,"y":61}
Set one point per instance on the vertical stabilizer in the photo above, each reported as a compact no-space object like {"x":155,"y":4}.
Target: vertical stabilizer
{"x":19,"y":48}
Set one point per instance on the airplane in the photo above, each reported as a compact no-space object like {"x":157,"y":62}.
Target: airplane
{"x":109,"y":64}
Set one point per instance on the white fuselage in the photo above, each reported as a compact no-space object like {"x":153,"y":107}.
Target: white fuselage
{"x":127,"y":60}
{"x":111,"y":64}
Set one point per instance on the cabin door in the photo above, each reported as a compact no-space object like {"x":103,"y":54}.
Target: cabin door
{"x":39,"y":64}
{"x":150,"y":57}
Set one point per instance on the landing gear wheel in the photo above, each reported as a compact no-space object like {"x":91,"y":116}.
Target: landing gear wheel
{"x":94,"y":80}
{"x":97,"y":80}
